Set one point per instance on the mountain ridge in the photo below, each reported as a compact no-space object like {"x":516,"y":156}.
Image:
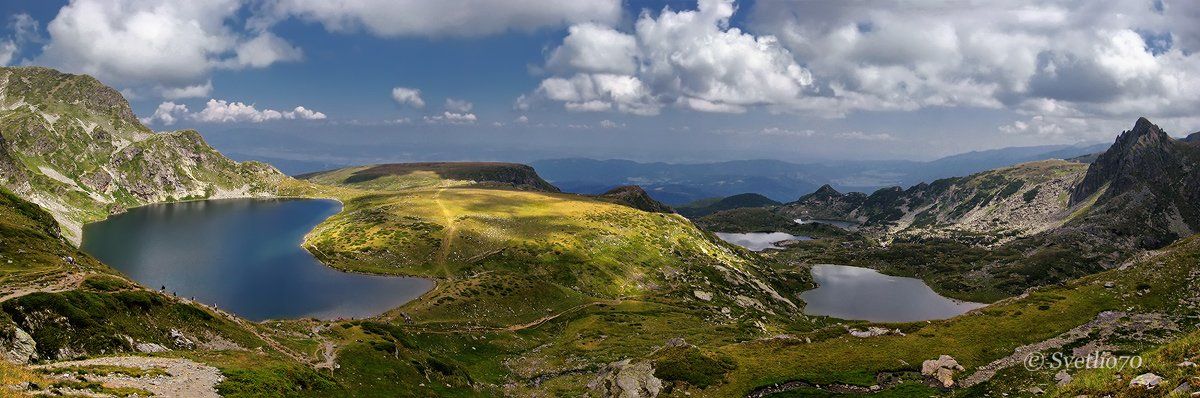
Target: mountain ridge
{"x":73,"y":145}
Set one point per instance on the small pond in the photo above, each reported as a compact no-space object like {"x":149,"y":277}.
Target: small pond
{"x":759,"y":241}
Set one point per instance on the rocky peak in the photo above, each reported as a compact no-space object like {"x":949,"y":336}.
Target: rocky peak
{"x":1135,"y":156}
{"x":636,"y":197}
{"x":825,"y":192}
{"x":48,"y":88}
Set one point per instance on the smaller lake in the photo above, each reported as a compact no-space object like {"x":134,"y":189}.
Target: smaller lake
{"x":244,"y":256}
{"x":846,"y":225}
{"x":865,"y":294}
{"x":758,"y":241}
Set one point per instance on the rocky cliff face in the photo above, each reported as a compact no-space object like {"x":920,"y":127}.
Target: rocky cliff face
{"x":73,"y":146}
{"x":1145,"y":190}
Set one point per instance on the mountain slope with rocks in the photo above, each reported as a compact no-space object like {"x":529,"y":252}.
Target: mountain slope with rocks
{"x":1031,"y":224}
{"x":73,"y":146}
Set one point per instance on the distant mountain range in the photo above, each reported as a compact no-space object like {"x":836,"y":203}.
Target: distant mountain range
{"x":677,"y":184}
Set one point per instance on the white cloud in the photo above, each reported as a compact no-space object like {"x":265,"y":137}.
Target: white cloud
{"x":8,"y":50}
{"x":786,"y":132}
{"x":599,"y":92}
{"x":390,"y":18}
{"x":194,"y":91}
{"x":301,"y":112}
{"x":459,"y":106}
{"x":222,"y":111}
{"x":166,"y":114}
{"x":521,"y":120}
{"x":861,"y":136}
{"x":25,"y":30}
{"x":1104,"y":60}
{"x":595,"y":48}
{"x":264,"y":50}
{"x":692,"y":59}
{"x":452,"y":118}
{"x":408,"y":96}
{"x":609,"y":124}
{"x":133,"y":43}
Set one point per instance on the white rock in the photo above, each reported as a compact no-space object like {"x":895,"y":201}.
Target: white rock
{"x":1148,"y":381}
{"x":150,"y":348}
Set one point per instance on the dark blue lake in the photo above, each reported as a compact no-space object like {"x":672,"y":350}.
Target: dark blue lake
{"x":862,"y":293}
{"x":244,"y":256}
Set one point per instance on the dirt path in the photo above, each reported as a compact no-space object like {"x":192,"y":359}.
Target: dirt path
{"x":1018,"y":357}
{"x":70,"y":281}
{"x":450,"y":233}
{"x":185,"y":378}
{"x":329,"y":356}
{"x":253,"y":329}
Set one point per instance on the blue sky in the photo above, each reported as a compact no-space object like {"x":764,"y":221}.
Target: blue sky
{"x":714,"y":80}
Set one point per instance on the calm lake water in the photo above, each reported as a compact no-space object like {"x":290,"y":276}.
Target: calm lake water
{"x":758,"y":241}
{"x":244,"y":256}
{"x":846,"y":225}
{"x":863,"y":293}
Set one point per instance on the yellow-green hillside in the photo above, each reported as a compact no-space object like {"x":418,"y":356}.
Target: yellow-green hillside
{"x":523,"y":252}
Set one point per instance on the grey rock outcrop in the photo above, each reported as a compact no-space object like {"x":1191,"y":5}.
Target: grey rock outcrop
{"x":18,"y":346}
{"x":626,"y":379}
{"x":941,"y":369}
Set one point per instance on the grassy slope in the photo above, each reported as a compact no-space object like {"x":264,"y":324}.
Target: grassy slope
{"x":531,"y":285}
{"x":1152,"y":285}
{"x":526,"y":250}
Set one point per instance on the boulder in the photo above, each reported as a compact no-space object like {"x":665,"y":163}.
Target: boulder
{"x":1063,"y":378}
{"x":625,"y":379}
{"x":1183,"y":389}
{"x":181,"y":341}
{"x":17,"y":346}
{"x":1147,"y":381}
{"x":942,"y":370}
{"x":703,"y":295}
{"x":874,"y":331}
{"x":150,"y":348}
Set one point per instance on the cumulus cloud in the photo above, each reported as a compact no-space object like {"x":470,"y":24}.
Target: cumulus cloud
{"x":463,"y":18}
{"x":451,"y":118}
{"x":301,"y":112}
{"x":609,"y":124}
{"x":166,"y":114}
{"x":23,"y":30}
{"x":521,"y":120}
{"x":689,"y":59}
{"x":595,"y":48}
{"x":460,"y":106}
{"x":264,"y":50}
{"x":194,"y":91}
{"x":861,"y":136}
{"x":159,"y":43}
{"x":1111,"y":61}
{"x":8,"y":50}
{"x":408,"y":96}
{"x":222,"y":111}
